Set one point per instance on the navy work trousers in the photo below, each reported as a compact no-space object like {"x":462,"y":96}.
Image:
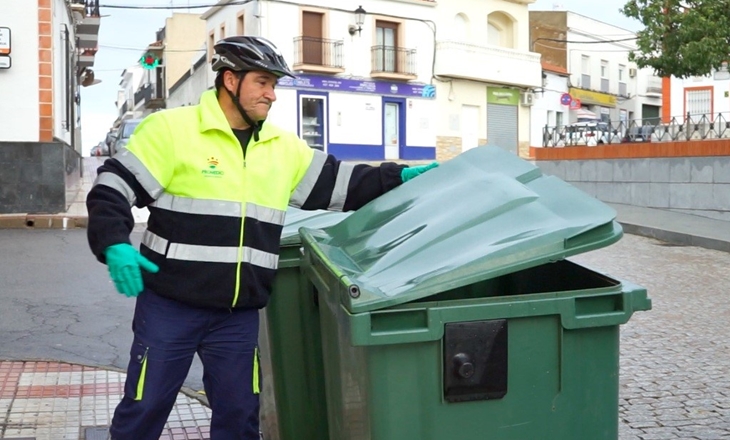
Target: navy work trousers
{"x":167,"y":334}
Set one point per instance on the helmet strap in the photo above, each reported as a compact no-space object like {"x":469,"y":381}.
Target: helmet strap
{"x":254,"y":125}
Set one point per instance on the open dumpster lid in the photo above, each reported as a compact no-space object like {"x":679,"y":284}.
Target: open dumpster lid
{"x":297,"y":218}
{"x":484,"y":214}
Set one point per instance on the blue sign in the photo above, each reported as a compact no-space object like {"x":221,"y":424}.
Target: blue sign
{"x":333,"y":83}
{"x":566,"y":99}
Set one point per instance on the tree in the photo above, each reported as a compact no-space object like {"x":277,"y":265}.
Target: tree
{"x":681,"y":37}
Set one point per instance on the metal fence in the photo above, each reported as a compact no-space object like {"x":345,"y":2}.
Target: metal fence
{"x":679,"y":128}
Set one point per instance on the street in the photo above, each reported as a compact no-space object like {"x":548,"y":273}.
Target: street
{"x":59,"y":304}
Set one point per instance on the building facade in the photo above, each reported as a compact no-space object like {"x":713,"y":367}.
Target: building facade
{"x":605,"y":85}
{"x":549,"y":109}
{"x":362,"y":89}
{"x":699,"y":96}
{"x":145,"y":89}
{"x":486,"y":75}
{"x":47,"y":50}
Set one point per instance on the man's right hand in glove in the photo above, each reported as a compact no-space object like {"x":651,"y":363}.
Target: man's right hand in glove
{"x":125,"y":264}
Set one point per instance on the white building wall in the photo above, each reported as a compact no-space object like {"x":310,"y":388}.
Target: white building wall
{"x":353,"y":118}
{"x":547,"y":107}
{"x":188,"y":93}
{"x":19,"y":110}
{"x":616,"y":53}
{"x":720,"y":95}
{"x":60,"y":22}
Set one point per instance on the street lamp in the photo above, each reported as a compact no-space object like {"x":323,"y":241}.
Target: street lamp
{"x":359,"y":19}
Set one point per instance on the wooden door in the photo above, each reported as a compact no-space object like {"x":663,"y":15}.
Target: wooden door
{"x":312,"y":42}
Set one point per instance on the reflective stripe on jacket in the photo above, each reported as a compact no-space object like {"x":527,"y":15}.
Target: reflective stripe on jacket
{"x":216,"y":214}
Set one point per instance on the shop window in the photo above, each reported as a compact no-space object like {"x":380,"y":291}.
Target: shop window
{"x":312,"y":115}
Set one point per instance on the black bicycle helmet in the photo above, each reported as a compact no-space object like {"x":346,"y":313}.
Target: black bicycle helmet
{"x":242,"y":53}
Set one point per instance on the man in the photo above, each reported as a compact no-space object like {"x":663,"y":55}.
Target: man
{"x":217,"y":182}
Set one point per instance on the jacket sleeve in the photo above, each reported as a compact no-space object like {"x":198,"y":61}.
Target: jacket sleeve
{"x":136,"y":176}
{"x":328,"y":183}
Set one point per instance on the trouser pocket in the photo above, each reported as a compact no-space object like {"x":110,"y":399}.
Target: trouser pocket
{"x":137,"y":371}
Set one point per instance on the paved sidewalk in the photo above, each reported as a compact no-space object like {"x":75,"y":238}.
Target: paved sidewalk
{"x":60,"y":401}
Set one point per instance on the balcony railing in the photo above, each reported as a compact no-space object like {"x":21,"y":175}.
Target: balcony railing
{"x":680,"y":128}
{"x":318,"y":52}
{"x":144,"y":94}
{"x":396,"y":60}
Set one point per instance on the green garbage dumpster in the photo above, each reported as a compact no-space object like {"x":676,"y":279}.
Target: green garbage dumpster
{"x":293,"y":402}
{"x":449,"y":309}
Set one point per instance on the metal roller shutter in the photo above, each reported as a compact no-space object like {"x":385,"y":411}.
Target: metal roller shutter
{"x":502,"y":126}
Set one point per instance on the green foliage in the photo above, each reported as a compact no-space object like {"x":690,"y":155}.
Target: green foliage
{"x":681,"y":37}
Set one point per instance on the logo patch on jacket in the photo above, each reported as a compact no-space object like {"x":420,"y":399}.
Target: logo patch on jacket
{"x":212,"y":169}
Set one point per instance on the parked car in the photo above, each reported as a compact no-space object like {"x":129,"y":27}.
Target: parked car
{"x":100,"y":149}
{"x":122,"y":135}
{"x":590,"y":133}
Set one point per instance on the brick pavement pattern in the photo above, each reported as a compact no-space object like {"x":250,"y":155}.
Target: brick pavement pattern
{"x":675,"y":359}
{"x":58,"y":401}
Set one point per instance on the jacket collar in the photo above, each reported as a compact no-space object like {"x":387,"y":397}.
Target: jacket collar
{"x":212,"y":118}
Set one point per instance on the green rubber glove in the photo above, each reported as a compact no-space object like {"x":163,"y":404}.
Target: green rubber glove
{"x":411,"y":172}
{"x":124,"y":263}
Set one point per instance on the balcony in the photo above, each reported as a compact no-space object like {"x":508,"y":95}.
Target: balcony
{"x":151,"y":96}
{"x":390,"y":62}
{"x":488,"y":64}
{"x":318,"y":55}
{"x":86,"y":58}
{"x":654,"y":87}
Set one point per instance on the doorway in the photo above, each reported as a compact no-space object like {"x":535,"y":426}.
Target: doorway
{"x":469,"y":127}
{"x":313,"y":120}
{"x":393,"y":127}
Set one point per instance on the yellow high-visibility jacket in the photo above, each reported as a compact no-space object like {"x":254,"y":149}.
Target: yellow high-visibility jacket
{"x":216,"y":207}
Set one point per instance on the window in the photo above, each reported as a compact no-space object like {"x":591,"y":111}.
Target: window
{"x":494,"y":35}
{"x":386,"y":53}
{"x":239,"y":24}
{"x":559,"y":119}
{"x":698,"y":102}
{"x":604,"y":76}
{"x":500,"y":30}
{"x":211,"y":43}
{"x":622,"y":89}
{"x":585,"y":70}
{"x":461,"y":28}
{"x":223,"y":30}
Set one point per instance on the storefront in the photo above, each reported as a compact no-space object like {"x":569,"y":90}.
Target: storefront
{"x":502,"y":117}
{"x":602,"y":104}
{"x":359,"y":119}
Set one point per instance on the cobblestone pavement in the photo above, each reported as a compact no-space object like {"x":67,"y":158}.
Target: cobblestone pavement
{"x":675,"y":359}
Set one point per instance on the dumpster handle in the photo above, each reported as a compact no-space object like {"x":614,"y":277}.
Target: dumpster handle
{"x":598,"y":311}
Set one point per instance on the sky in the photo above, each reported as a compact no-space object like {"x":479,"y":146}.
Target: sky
{"x":125,"y":33}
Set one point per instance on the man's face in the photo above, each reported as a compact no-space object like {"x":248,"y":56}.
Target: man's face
{"x":257,"y":94}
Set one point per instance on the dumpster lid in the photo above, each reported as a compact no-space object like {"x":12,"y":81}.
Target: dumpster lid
{"x":484,"y":214}
{"x":297,"y":218}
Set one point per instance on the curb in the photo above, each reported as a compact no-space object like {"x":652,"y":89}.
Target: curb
{"x":42,"y":221}
{"x":674,"y":237}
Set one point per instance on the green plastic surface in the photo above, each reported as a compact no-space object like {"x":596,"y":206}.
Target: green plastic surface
{"x":483,"y":214}
{"x":293,"y":403}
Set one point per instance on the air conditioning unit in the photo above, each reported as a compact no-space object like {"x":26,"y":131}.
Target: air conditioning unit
{"x":632,"y":72}
{"x":528,"y":98}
